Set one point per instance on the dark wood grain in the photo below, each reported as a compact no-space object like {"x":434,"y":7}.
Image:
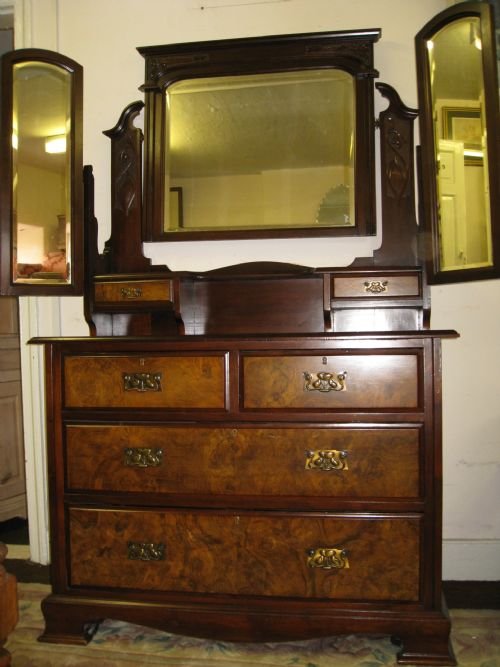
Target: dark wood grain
{"x":247,"y":554}
{"x":381,"y":462}
{"x":187,"y":381}
{"x":380,"y":381}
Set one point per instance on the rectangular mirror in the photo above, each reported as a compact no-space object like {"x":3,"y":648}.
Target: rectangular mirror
{"x":260,"y":137}
{"x":41,"y":167}
{"x":261,"y":148}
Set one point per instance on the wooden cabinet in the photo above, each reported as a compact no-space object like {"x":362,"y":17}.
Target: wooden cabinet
{"x":12,"y":474}
{"x":248,"y":487}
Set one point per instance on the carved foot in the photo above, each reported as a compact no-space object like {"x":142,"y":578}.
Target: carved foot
{"x":424,"y":650}
{"x":66,"y":623}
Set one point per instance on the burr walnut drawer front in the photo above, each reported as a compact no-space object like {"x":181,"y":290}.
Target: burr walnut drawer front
{"x":343,"y":381}
{"x":352,"y":557}
{"x":318,"y":462}
{"x":128,"y":291}
{"x":136,"y":381}
{"x":376,"y":286}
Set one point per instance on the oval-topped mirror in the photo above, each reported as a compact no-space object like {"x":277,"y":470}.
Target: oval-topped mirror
{"x":252,"y":138}
{"x":41,"y":207}
{"x":459,"y":126}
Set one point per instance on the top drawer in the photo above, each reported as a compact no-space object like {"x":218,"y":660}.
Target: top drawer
{"x":343,"y":381}
{"x":131,"y":291}
{"x":375,"y":286}
{"x":145,"y":382}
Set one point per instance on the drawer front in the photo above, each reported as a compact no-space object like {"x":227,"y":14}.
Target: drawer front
{"x":145,"y":382}
{"x":317,"y":462}
{"x":383,"y":286}
{"x":371,"y":381}
{"x":258,"y":554}
{"x":127,"y":291}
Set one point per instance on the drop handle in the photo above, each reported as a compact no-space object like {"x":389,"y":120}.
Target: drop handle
{"x":328,"y":558}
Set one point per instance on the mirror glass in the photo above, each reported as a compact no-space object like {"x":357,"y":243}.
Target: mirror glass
{"x":261,"y":151}
{"x":41,"y":183}
{"x":41,"y":202}
{"x":459,"y":127}
{"x":457,"y":85}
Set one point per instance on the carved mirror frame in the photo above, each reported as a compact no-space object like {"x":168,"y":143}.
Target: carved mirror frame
{"x":45,"y":284}
{"x":348,"y":51}
{"x":429,"y":164}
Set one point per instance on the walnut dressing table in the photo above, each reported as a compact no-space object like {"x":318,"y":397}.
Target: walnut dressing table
{"x":251,"y":453}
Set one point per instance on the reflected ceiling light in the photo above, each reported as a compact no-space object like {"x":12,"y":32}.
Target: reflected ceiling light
{"x":475,"y":37}
{"x":15,"y":141}
{"x":55,"y":144}
{"x":430,"y":45}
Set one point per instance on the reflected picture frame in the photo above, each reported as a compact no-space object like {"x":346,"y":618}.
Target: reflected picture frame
{"x":175,"y":207}
{"x":464,"y":124}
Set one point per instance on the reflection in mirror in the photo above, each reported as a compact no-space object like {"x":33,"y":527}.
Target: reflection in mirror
{"x":44,"y":197}
{"x":41,"y":181}
{"x":460,"y":140}
{"x":258,"y":150}
{"x":464,"y":152}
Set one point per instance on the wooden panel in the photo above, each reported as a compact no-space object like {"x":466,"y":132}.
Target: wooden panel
{"x":129,"y":291}
{"x":380,"y":462}
{"x":373,"y":381}
{"x":256,"y":554}
{"x":177,"y":381}
{"x":378,"y":286}
{"x":12,"y":473}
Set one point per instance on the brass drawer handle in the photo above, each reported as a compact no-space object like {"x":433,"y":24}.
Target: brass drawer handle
{"x":142,"y":457}
{"x":376,"y":286}
{"x":328,"y":558}
{"x":141,"y":381}
{"x":324,"y":381}
{"x":326,"y":459}
{"x":145,"y":551}
{"x":131,"y":292}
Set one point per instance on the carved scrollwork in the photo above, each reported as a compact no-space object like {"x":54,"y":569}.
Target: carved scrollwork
{"x":143,"y":457}
{"x":324,"y":381}
{"x":328,"y":558}
{"x":142,"y":382}
{"x":147,"y":551}
{"x":326,"y":459}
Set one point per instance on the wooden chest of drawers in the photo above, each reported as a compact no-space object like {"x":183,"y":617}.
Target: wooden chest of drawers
{"x":248,"y":488}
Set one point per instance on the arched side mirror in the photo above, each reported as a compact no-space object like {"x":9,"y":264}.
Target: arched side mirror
{"x":459,"y":126}
{"x":41,"y":199}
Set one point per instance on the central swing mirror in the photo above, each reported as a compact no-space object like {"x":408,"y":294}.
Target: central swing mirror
{"x":260,"y":138}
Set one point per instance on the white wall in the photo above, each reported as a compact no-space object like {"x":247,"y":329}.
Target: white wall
{"x":102,"y":36}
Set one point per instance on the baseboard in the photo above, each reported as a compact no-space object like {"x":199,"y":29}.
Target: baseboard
{"x":458,"y":594}
{"x":472,"y":594}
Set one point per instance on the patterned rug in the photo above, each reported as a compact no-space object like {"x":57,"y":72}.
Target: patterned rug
{"x":476,"y":641}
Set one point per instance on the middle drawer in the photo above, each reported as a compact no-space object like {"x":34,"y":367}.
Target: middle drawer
{"x":329,"y":461}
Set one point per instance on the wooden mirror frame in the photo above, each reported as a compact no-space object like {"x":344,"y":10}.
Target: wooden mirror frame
{"x":349,"y":51}
{"x":74,"y":286}
{"x":428,"y":161}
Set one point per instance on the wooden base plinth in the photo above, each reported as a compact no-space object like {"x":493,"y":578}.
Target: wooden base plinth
{"x":423,"y":636}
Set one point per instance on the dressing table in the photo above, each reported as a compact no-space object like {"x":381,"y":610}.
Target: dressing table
{"x":251,"y":453}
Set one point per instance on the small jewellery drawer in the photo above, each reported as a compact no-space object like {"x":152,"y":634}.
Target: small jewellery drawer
{"x":128,"y":291}
{"x":353,"y":557}
{"x":354,"y":381}
{"x":375,"y":286}
{"x":318,"y":462}
{"x":145,"y":382}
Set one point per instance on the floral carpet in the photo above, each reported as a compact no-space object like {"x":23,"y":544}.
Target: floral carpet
{"x":475,"y":637}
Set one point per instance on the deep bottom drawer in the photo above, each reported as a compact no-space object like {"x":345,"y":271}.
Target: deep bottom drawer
{"x":260,"y":554}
